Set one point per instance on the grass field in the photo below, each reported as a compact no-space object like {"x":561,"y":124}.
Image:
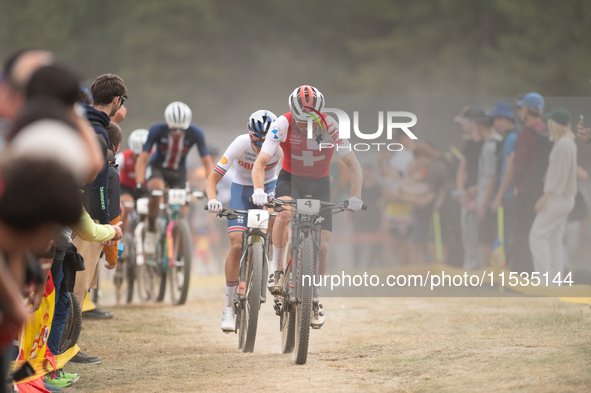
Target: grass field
{"x":375,"y":344}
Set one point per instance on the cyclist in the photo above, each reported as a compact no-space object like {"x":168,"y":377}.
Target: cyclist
{"x":126,"y":161}
{"x":173,"y":138}
{"x":242,"y":153}
{"x":305,"y":172}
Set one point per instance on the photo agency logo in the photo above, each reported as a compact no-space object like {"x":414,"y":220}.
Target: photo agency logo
{"x":344,"y":123}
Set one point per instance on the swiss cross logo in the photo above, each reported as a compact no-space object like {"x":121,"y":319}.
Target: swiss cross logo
{"x":308,"y":158}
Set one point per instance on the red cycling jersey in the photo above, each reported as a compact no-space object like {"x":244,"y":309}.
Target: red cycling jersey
{"x":126,"y":164}
{"x":302,"y":156}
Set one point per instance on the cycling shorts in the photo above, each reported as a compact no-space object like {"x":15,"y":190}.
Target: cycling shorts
{"x":240,"y":200}
{"x":126,"y":190}
{"x":175,"y":178}
{"x":298,"y":187}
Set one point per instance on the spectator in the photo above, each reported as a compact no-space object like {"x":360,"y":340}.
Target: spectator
{"x":529,"y":164}
{"x":36,"y":196}
{"x":558,"y":200}
{"x":504,"y":123}
{"x":466,"y":184}
{"x":108,"y":92}
{"x":120,"y":114}
{"x":426,"y":195}
{"x":398,"y":213}
{"x":487,"y":179}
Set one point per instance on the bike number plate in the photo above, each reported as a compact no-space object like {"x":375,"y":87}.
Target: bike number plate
{"x":258,"y":218}
{"x":142,"y":206}
{"x":308,"y":206}
{"x":177,"y":196}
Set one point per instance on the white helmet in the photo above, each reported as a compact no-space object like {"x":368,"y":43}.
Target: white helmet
{"x":259,"y":123}
{"x":137,"y":140}
{"x":178,"y":115}
{"x":305,"y":99}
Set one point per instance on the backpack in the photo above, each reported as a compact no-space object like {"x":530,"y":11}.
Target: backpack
{"x":544,"y":148}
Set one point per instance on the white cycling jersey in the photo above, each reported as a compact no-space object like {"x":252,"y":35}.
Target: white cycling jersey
{"x":243,"y":155}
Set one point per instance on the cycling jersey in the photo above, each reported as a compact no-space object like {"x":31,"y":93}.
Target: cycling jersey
{"x":126,"y":166}
{"x":170,"y":153}
{"x":243,"y":155}
{"x":302,"y":156}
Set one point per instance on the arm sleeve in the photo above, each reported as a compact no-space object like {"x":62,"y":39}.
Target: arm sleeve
{"x":88,"y":230}
{"x":98,"y":194}
{"x":275,"y":160}
{"x":152,"y":136}
{"x":227,"y":159}
{"x":199,"y":138}
{"x":276,"y":136}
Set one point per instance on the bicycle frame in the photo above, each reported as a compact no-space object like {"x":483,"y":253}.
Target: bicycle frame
{"x":249,"y":237}
{"x":303,"y":227}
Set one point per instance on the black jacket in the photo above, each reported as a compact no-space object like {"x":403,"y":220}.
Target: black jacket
{"x":97,"y":203}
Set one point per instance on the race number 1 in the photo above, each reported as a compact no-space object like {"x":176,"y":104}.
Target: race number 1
{"x":258,"y":218}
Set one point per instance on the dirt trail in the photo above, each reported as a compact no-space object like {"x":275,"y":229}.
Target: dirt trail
{"x":394,"y":344}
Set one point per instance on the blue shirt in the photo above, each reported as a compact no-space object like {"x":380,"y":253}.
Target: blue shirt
{"x":508,"y":148}
{"x":170,"y":153}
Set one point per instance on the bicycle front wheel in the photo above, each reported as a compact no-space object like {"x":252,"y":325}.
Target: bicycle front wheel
{"x":180,"y":269}
{"x":287,"y":321}
{"x":305,"y":294}
{"x":253,"y":290}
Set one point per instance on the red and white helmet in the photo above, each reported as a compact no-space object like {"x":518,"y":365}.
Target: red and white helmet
{"x":305,"y":99}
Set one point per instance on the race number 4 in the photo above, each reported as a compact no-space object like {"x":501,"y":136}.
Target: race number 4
{"x":308,"y":206}
{"x":258,"y":218}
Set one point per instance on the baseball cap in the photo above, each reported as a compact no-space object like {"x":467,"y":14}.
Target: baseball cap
{"x":481,"y":115}
{"x":532,"y":100}
{"x":559,"y":115}
{"x":502,"y":109}
{"x":461,"y":116}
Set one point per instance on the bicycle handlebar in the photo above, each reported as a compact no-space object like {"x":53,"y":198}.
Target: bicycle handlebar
{"x":273,"y":202}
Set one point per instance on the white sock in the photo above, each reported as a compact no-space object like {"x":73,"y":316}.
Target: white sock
{"x":230,"y":291}
{"x":279,"y":258}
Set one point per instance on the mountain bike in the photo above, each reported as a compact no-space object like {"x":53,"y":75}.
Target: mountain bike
{"x":173,"y":256}
{"x":254,"y":262}
{"x":299,"y":299}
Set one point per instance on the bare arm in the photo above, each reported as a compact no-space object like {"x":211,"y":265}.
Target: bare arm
{"x":490,"y":189}
{"x":258,"y":170}
{"x":140,"y":167}
{"x":211,"y":184}
{"x":355,"y":174}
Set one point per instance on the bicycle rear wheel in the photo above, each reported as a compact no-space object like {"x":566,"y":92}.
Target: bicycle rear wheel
{"x":121,"y":278}
{"x":73,"y":325}
{"x":180,"y":270}
{"x":253,"y":295}
{"x":287,"y":320}
{"x":305,"y":295}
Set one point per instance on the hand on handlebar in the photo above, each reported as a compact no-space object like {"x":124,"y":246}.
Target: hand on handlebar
{"x":259,"y":197}
{"x":214,"y":206}
{"x":355,"y":203}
